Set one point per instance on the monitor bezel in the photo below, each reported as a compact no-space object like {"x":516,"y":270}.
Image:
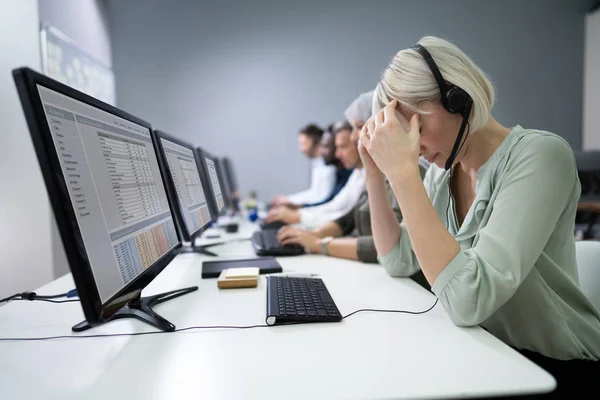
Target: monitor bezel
{"x":172,"y":191}
{"x":202,"y":153}
{"x":26,"y":81}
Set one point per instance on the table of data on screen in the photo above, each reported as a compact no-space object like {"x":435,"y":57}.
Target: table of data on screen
{"x":131,"y":177}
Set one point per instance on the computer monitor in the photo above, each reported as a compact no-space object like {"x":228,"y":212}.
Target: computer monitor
{"x":109,"y":200}
{"x":224,"y":184}
{"x":188,"y":186}
{"x":230,"y":174}
{"x":218,"y":202}
{"x":231,"y":181}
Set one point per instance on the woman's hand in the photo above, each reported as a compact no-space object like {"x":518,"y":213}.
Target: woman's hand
{"x":390,"y":146}
{"x":283,"y":214}
{"x":367,"y":161}
{"x":306,"y":239}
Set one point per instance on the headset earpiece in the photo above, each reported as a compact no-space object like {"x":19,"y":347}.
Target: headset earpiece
{"x":457,"y":100}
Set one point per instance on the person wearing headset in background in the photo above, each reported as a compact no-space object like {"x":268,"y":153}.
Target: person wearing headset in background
{"x":491,"y":226}
{"x":323,"y":176}
{"x":346,"y":199}
{"x":328,"y":154}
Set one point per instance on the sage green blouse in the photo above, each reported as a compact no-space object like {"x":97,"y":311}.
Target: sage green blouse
{"x":516,"y":274}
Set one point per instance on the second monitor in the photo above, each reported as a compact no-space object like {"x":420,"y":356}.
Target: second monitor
{"x":188,"y":186}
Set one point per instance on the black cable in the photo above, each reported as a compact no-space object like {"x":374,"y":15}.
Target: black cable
{"x":34,"y":339}
{"x":31,"y":296}
{"x":391,"y":311}
{"x":54,"y":296}
{"x":465,"y":140}
{"x":54,"y":301}
{"x":9,"y":298}
{"x":450,"y":178}
{"x":190,"y":328}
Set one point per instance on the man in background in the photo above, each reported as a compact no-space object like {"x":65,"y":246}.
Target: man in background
{"x":344,"y":201}
{"x":323,"y":176}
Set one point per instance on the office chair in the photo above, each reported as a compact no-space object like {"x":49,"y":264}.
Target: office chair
{"x":588,"y":264}
{"x":588,"y":209}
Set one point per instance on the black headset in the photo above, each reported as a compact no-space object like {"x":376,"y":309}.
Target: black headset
{"x":454,"y":99}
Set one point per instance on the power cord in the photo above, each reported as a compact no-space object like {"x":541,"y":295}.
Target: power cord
{"x":191,"y":328}
{"x":31,"y":296}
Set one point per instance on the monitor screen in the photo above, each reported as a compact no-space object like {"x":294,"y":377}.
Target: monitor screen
{"x":186,"y":178}
{"x":114,"y":183}
{"x":214,"y":179}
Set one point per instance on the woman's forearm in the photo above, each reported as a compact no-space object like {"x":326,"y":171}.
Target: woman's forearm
{"x":424,"y":226}
{"x":385,"y":227}
{"x":343,"y":248}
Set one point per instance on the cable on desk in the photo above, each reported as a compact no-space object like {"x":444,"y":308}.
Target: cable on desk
{"x":391,"y":311}
{"x":191,"y":328}
{"x":9,"y":298}
{"x":33,"y":296}
{"x":58,"y":301}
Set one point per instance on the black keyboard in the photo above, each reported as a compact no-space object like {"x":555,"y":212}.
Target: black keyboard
{"x":265,"y":243}
{"x":300,"y":300}
{"x":271,"y":225}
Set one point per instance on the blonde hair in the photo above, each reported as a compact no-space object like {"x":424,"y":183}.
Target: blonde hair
{"x":409,"y":80}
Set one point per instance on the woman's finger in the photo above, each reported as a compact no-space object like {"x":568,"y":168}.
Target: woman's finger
{"x":379,"y":118}
{"x":365,"y":140}
{"x":371,"y":128}
{"x":415,"y":124}
{"x":388,"y":111}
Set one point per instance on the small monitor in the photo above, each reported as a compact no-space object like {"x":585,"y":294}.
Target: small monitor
{"x":218,"y":195}
{"x":227,"y":193}
{"x":230,"y":174}
{"x":108,"y":196}
{"x":186,"y":184}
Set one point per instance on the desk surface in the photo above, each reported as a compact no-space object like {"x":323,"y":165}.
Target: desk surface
{"x":367,"y":356}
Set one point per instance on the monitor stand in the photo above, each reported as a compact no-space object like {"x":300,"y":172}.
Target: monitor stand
{"x":141,"y":308}
{"x":200,"y":249}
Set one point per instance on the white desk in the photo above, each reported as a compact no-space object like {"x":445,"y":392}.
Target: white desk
{"x":367,"y":356}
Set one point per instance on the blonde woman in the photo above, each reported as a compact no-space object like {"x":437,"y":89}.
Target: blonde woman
{"x":491,"y":226}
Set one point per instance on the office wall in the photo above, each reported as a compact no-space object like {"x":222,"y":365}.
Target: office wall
{"x":25,"y":245}
{"x":86,"y":22}
{"x":240,"y":77}
{"x":591,"y":91}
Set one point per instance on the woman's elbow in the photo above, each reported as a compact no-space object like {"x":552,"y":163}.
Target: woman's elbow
{"x":465,"y":316}
{"x":397,"y":269}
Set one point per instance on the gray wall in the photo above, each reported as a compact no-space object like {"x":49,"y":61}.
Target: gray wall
{"x":240,"y":77}
{"x":25,"y":242}
{"x":86,"y":22}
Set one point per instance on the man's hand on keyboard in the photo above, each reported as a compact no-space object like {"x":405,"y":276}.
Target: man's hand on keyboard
{"x":306,"y":239}
{"x":283,"y":214}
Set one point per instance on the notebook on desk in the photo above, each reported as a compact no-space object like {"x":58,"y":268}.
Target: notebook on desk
{"x":266,"y":265}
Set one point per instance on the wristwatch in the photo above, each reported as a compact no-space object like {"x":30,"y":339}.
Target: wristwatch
{"x":324,"y":243}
